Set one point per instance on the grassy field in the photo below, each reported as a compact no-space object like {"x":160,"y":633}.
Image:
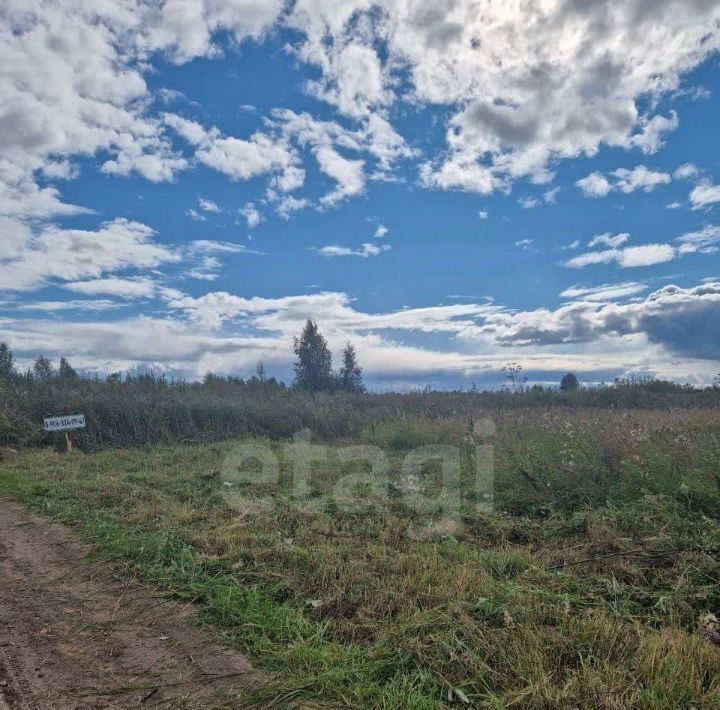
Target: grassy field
{"x":583,"y":589}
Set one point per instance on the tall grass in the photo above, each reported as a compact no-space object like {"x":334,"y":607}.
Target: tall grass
{"x":583,"y":589}
{"x":147,"y":410}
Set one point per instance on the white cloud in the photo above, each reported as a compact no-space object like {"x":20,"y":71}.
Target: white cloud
{"x":208,"y":205}
{"x":185,"y":29}
{"x":347,"y":173}
{"x":704,"y":241}
{"x":639,"y":178}
{"x":528,"y":203}
{"x":204,"y":246}
{"x":609,"y":240}
{"x":95,"y":304}
{"x":124,"y":288}
{"x":673,"y":328}
{"x":289,"y":204}
{"x":352,"y":79}
{"x":650,"y":138}
{"x":550,"y":196}
{"x":605,"y":293}
{"x":275,"y":152}
{"x":459,"y":174}
{"x":526,"y":86}
{"x":367,"y":250}
{"x":55,"y":254}
{"x":483,"y":214}
{"x":686,"y":171}
{"x":241,"y":159}
{"x":531,"y":83}
{"x":704,"y":195}
{"x":251,"y":214}
{"x":290,"y":179}
{"x":594,"y":185}
{"x":629,"y":257}
{"x":645,"y":255}
{"x":381,"y":231}
{"x":195,"y":215}
{"x":674,"y":205}
{"x":524,"y":243}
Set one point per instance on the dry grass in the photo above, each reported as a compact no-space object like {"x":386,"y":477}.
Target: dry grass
{"x":391,"y":610}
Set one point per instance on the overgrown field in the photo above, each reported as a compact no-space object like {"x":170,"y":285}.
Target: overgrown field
{"x":583,"y":589}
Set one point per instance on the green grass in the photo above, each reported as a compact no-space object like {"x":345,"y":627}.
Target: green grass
{"x":393,"y":610}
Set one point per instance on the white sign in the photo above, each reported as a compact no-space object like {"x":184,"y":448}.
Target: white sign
{"x":65,"y":423}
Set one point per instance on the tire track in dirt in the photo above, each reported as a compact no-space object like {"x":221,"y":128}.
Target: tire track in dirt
{"x":74,"y":636}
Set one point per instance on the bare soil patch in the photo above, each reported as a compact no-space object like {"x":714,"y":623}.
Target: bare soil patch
{"x":75,"y":636}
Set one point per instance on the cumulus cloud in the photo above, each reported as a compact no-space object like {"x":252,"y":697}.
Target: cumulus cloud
{"x":54,"y":254}
{"x":704,"y":241}
{"x":705,"y":194}
{"x":237,"y":158}
{"x":277,"y":152}
{"x":668,"y":323}
{"x":381,"y":231}
{"x":639,"y":178}
{"x":594,"y":185}
{"x":526,"y":86}
{"x":629,"y":257}
{"x":531,"y":83}
{"x":681,"y":320}
{"x":285,"y":206}
{"x":347,"y":173}
{"x":208,"y":205}
{"x":686,"y":171}
{"x":251,"y":214}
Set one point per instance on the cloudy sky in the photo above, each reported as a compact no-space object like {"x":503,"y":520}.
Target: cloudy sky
{"x":453,"y":185}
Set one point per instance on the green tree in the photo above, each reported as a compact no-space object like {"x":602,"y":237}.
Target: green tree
{"x":351,"y":372}
{"x":43,"y":369}
{"x":569,"y":383}
{"x":313,"y":368}
{"x":7,"y":366}
{"x":66,"y":370}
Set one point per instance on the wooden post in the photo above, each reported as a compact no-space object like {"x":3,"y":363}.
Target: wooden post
{"x":68,"y":442}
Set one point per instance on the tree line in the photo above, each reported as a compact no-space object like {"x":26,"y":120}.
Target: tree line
{"x":314,"y":372}
{"x":313,"y":368}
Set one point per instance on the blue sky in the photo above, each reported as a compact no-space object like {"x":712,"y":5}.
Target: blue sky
{"x":452,"y":189}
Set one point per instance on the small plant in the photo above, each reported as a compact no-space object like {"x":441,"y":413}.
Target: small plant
{"x":513,"y":372}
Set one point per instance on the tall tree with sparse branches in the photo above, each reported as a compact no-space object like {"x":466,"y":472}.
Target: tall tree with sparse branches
{"x":43,"y":369}
{"x":313,"y":368}
{"x":351,"y":372}
{"x":7,"y":361}
{"x":66,"y":371}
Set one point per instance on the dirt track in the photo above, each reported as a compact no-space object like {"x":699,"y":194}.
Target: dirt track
{"x":74,"y":636}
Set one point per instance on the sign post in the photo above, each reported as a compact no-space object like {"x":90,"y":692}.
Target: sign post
{"x":65,"y":423}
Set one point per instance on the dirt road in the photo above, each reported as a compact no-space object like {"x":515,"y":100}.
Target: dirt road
{"x":75,"y":636}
